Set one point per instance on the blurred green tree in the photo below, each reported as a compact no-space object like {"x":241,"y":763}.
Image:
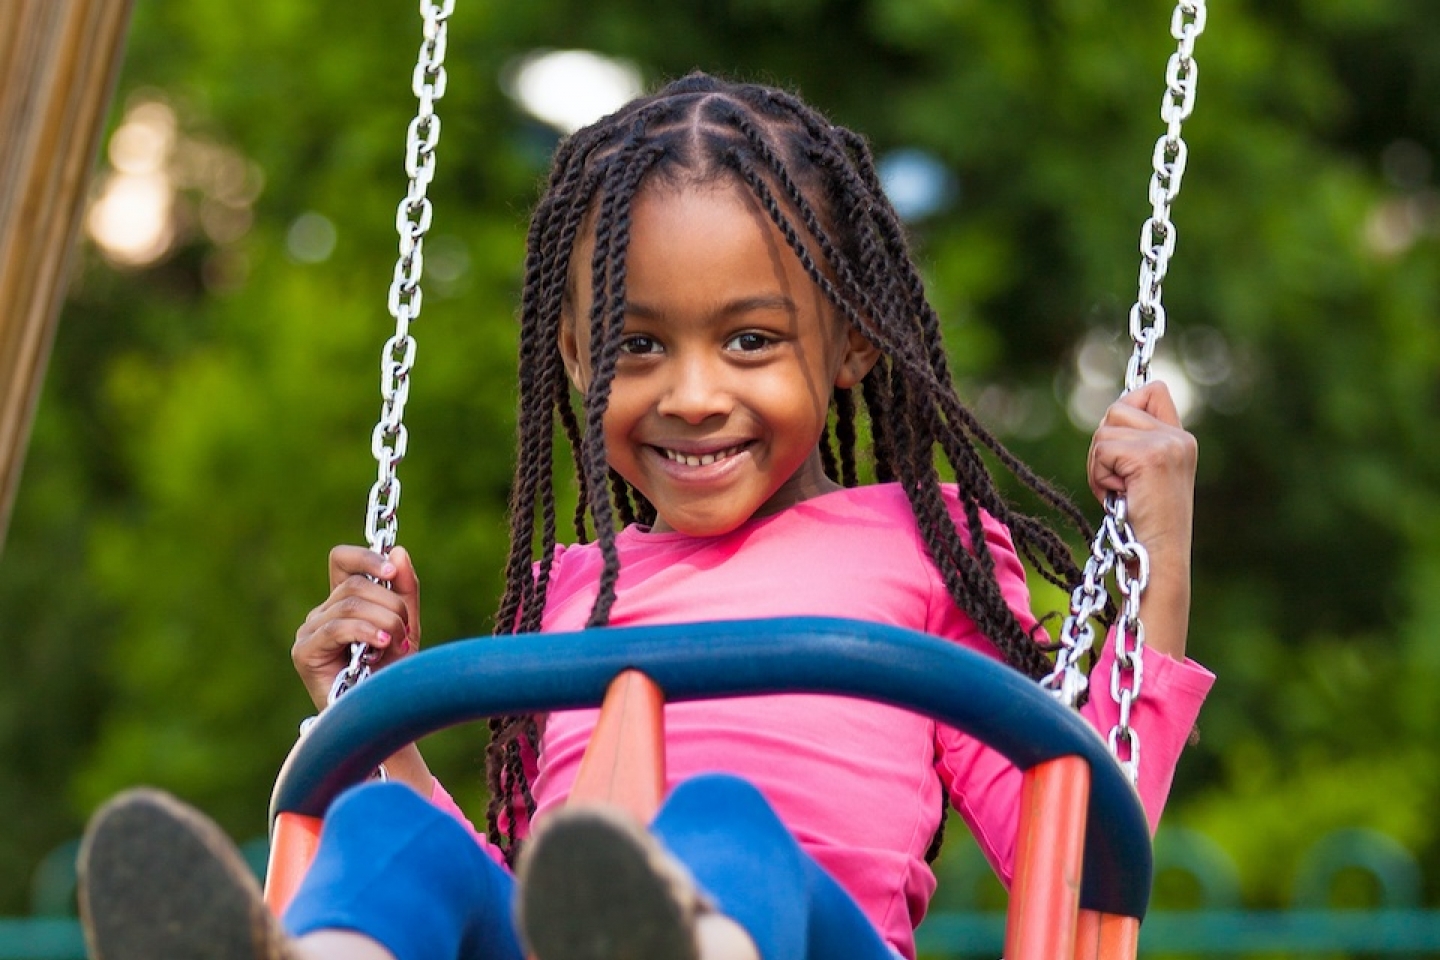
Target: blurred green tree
{"x":203,"y":436}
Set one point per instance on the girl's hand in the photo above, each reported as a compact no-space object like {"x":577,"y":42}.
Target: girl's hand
{"x":1141,"y":450}
{"x":359,"y":610}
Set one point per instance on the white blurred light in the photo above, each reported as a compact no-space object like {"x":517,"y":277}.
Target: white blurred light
{"x":447,"y":259}
{"x":1021,"y":413}
{"x":917,"y":183}
{"x":144,"y":142}
{"x":1207,"y":356}
{"x":147,"y":201}
{"x":1182,"y":388}
{"x":1099,"y":381}
{"x":1395,"y":225}
{"x":568,"y":89}
{"x":311,"y":238}
{"x":131,"y":221}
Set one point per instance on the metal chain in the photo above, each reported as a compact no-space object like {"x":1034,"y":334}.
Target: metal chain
{"x":390,"y":439}
{"x":1115,"y":549}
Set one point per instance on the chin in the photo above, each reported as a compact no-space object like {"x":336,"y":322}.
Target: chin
{"x":705,"y":526}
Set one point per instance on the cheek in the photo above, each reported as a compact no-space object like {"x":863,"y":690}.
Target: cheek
{"x":806,"y":391}
{"x":622,"y":414}
{"x":795,"y":411}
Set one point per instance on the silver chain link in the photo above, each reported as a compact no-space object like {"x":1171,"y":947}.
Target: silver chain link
{"x":390,"y":439}
{"x":1115,"y":549}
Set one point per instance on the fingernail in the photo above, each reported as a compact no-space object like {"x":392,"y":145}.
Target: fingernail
{"x":406,"y":646}
{"x":388,"y":571}
{"x":382,"y":635}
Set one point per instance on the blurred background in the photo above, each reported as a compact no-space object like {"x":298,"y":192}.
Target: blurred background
{"x":203,"y":435}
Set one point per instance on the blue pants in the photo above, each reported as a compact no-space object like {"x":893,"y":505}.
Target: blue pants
{"x":394,"y":868}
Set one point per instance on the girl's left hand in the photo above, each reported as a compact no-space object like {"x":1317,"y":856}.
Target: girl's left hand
{"x":1141,"y":450}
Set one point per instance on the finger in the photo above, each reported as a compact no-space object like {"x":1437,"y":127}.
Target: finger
{"x":359,"y":597}
{"x":405,"y":584}
{"x":403,"y":579}
{"x":329,"y":642}
{"x":356,"y":592}
{"x":1101,"y":473}
{"x":1118,"y":448}
{"x":348,"y":561}
{"x":1154,"y":399}
{"x":1113,"y":462}
{"x":1120,"y":456}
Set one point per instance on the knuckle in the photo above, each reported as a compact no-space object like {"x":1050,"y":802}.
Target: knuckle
{"x":332,"y":634}
{"x":342,"y":557}
{"x":1182,"y":445}
{"x":351,"y":608}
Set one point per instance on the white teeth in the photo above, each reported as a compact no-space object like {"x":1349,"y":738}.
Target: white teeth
{"x":703,"y":460}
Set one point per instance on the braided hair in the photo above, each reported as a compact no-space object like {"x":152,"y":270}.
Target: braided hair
{"x":818,"y":184}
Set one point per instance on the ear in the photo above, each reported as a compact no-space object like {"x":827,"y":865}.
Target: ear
{"x":575,"y":369}
{"x":859,"y":357}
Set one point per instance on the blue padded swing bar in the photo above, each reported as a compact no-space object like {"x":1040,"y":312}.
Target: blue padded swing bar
{"x":473,"y":679}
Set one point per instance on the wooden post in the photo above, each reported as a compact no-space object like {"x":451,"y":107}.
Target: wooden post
{"x":58,"y":63}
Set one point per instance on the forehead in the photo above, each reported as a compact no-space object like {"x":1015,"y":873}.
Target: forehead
{"x":697,"y":240}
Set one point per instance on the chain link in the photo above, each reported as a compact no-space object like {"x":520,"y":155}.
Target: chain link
{"x":390,"y":439}
{"x":1115,"y":549}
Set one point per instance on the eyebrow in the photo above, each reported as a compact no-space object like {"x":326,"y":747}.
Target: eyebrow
{"x":773,"y":301}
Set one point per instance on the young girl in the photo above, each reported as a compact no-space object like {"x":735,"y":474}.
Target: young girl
{"x":716,"y":272}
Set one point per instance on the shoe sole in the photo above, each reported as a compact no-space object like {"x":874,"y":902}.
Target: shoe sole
{"x":594,"y":886}
{"x":159,"y":881}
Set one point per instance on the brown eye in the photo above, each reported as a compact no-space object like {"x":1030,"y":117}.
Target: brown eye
{"x":639,"y":345}
{"x":747,"y":342}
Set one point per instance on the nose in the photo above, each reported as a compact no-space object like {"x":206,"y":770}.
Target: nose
{"x":695,"y":390}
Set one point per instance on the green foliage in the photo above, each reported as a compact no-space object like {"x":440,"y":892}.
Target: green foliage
{"x":203,"y":437}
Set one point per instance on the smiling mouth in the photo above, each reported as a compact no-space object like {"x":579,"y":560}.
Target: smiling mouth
{"x":701,"y":459}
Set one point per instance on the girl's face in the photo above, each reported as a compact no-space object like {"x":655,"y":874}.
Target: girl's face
{"x":729,"y":357}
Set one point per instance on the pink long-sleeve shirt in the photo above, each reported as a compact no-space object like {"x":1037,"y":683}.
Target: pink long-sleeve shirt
{"x":859,"y":784}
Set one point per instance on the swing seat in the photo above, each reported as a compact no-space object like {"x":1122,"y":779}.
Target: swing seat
{"x":1083,"y":857}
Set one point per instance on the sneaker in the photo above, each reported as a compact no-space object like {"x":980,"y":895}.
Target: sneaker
{"x":595,"y":885}
{"x":160,"y":881}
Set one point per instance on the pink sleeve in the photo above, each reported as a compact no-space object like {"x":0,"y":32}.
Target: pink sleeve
{"x":983,"y":785}
{"x":441,"y":799}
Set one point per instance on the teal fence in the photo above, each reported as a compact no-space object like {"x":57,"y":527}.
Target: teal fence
{"x":965,"y":921}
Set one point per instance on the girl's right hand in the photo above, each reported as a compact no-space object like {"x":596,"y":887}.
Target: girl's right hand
{"x":359,"y":610}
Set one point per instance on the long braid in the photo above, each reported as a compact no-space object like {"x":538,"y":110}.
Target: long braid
{"x":1037,"y":543}
{"x":543,"y":390}
{"x":958,"y":567}
{"x":818,"y":185}
{"x":523,"y":602}
{"x":875,"y":389}
{"x":607,"y":318}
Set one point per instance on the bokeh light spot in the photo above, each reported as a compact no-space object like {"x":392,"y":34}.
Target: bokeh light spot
{"x":917,"y":183}
{"x":568,"y":89}
{"x":311,"y":238}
